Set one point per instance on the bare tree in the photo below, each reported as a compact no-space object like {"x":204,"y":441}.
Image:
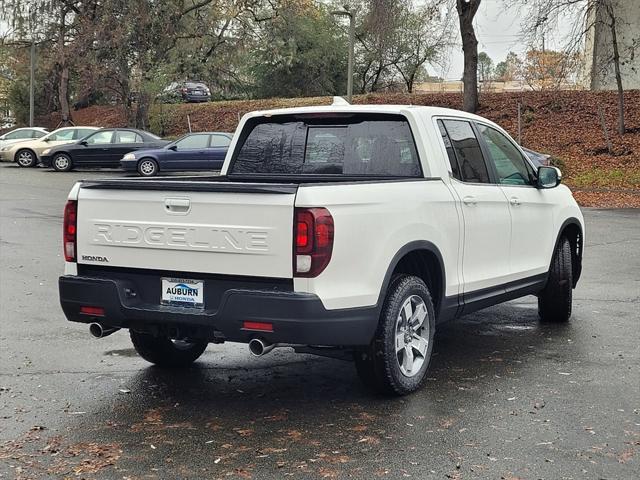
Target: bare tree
{"x":588,"y":16}
{"x":467,"y":10}
{"x":424,"y":33}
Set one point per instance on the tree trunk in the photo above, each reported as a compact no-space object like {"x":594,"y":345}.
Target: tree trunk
{"x":63,"y":95}
{"x":466,"y":13}
{"x":142,"y":111}
{"x":616,"y":65}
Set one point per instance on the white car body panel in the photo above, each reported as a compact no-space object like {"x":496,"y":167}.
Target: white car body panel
{"x":222,"y":233}
{"x":484,"y":244}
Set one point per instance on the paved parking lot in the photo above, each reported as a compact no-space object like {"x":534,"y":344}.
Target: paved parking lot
{"x":506,"y":398}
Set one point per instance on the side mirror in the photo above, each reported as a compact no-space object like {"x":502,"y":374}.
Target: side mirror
{"x":46,"y":139}
{"x":174,"y":148}
{"x":549,"y":177}
{"x":83,"y":142}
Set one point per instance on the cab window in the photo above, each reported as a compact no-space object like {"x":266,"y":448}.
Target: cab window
{"x":510,"y":165}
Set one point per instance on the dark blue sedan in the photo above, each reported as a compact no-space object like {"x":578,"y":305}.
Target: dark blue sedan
{"x":194,"y":151}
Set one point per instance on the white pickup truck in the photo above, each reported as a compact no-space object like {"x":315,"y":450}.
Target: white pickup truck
{"x":340,"y":230}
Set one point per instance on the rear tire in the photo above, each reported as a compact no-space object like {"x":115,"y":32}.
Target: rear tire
{"x":165,"y":352}
{"x":147,"y":167}
{"x":26,"y":158}
{"x":554,"y":302}
{"x":62,"y":163}
{"x":396,"y":362}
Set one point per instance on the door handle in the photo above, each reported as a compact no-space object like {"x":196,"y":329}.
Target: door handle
{"x":469,"y":200}
{"x":514,"y":201}
{"x":177,"y":205}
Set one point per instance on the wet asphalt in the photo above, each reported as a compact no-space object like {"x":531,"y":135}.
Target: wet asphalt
{"x":507,"y":397}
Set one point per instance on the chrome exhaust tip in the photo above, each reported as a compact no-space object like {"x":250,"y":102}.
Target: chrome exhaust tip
{"x":98,"y":331}
{"x":258,"y":347}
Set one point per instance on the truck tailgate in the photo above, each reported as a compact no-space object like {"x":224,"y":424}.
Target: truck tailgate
{"x":208,"y":227}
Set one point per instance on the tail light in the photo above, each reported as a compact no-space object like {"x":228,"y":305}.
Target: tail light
{"x":313,"y":241}
{"x":69,"y":226}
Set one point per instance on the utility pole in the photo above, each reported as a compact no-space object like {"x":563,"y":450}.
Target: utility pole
{"x":352,"y":34}
{"x":31,"y":81}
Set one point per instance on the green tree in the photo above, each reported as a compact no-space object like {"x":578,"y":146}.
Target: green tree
{"x":509,"y":69}
{"x":485,"y":67}
{"x":300,"y":52}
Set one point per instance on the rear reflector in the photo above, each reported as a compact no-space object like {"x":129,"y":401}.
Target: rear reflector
{"x":258,"y":326}
{"x":92,"y":311}
{"x":69,"y":230}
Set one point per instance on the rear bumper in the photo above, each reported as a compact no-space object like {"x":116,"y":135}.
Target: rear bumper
{"x":196,"y":98}
{"x":297,"y":318}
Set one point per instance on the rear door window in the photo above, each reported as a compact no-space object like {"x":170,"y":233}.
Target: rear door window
{"x":127,"y":136}
{"x":62,"y":135}
{"x":471,"y":165}
{"x":219,"y":141}
{"x":358,"y":145}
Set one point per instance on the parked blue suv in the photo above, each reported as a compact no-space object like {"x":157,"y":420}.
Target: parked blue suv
{"x":194,"y":151}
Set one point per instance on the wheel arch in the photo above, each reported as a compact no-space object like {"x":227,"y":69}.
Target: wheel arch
{"x":571,"y":228}
{"x":424,"y":260}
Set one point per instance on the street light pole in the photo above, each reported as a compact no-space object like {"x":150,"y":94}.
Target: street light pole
{"x":31,"y":81}
{"x":352,"y":35}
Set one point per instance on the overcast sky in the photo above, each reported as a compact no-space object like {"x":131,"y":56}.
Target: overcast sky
{"x":499,"y":31}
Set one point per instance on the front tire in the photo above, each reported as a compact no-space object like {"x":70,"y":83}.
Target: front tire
{"x":62,"y":163}
{"x":165,"y":352}
{"x":147,"y":167}
{"x":26,"y":158}
{"x":554,"y":302}
{"x":396,"y":362}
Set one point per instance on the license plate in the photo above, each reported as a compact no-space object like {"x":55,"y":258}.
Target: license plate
{"x":182,"y":292}
{"x":197,"y":92}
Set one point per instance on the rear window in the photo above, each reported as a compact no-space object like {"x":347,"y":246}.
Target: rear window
{"x":357,"y":145}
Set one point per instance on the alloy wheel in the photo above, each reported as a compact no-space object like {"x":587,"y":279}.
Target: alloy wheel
{"x":147,"y":167}
{"x":62,"y":162}
{"x":25,"y":158}
{"x":412,"y":335}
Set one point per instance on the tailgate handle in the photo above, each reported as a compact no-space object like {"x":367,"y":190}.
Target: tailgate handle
{"x":177,"y":205}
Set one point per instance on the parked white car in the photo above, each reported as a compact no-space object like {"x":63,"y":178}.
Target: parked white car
{"x":21,"y":135}
{"x":27,"y":154}
{"x":337,"y":230}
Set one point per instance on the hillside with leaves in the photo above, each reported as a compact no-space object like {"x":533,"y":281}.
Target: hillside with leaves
{"x":564,"y":124}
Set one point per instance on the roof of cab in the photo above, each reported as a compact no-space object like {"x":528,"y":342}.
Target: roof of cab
{"x":389,"y":109}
